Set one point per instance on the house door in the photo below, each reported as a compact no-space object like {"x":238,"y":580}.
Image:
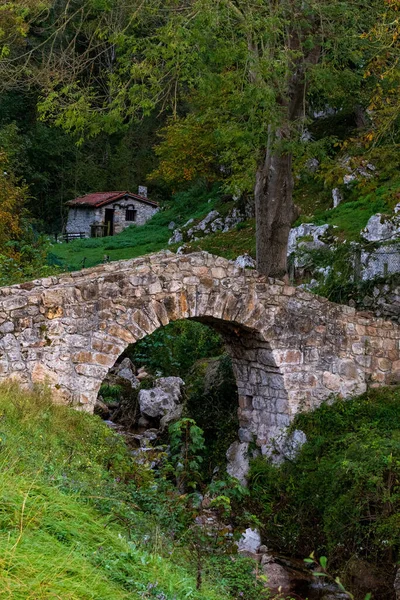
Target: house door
{"x":109,"y":221}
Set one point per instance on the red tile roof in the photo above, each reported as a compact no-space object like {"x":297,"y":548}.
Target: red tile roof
{"x":100,"y":198}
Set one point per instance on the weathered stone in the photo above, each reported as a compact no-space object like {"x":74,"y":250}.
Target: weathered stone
{"x":126,"y":370}
{"x":245,"y":262}
{"x":290,"y":350}
{"x":238,"y":461}
{"x":278,"y":579}
{"x":250,"y":542}
{"x":163,"y":401}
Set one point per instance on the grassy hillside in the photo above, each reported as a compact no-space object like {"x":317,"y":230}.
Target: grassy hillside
{"x":360,"y":203}
{"x":70,"y":524}
{"x":136,"y":241}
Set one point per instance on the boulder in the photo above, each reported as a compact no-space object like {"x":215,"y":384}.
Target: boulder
{"x":163,"y":401}
{"x":286,"y":447}
{"x":126,"y":370}
{"x":238,"y":461}
{"x":278,"y":579}
{"x":337,"y":197}
{"x":245,"y":261}
{"x":176,"y":238}
{"x":307,"y":236}
{"x":211,"y":223}
{"x":381,"y":228}
{"x":101,"y":409}
{"x":250,"y":542}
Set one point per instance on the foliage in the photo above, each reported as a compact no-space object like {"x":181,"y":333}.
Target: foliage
{"x":212,"y":402}
{"x":70,"y":524}
{"x":172,"y":350}
{"x":236,"y":573}
{"x":186,"y":448}
{"x":12,"y":205}
{"x":321,"y":571}
{"x":340,"y":496}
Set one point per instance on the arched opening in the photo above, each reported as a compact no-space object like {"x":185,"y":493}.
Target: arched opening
{"x":218,"y":373}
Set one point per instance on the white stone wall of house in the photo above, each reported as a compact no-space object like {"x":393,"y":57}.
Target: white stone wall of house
{"x":81,"y":219}
{"x":144,"y":212}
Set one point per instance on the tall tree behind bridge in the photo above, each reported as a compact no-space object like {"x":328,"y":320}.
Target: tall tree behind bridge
{"x":240,"y":76}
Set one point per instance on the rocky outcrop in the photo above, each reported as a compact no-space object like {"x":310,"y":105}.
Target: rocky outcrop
{"x":211,"y":223}
{"x":307,"y":237}
{"x":382,"y":228}
{"x":164,"y":401}
{"x":250,"y":542}
{"x":245,"y":261}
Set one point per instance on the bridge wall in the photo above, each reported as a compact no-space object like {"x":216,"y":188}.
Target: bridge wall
{"x":291,"y":350}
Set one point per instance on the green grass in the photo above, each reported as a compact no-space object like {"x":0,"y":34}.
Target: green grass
{"x":69,"y":524}
{"x":349,"y":218}
{"x":137,"y":241}
{"x":352,"y":215}
{"x":231,"y":244}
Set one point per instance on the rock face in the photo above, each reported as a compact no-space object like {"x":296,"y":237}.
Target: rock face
{"x":163,"y":401}
{"x":211,"y":223}
{"x":286,"y":447}
{"x":380,"y":262}
{"x":381,"y":228}
{"x":250,"y":542}
{"x":307,"y":237}
{"x":290,"y":349}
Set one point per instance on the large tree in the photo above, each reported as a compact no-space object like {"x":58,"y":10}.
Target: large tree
{"x":240,"y":80}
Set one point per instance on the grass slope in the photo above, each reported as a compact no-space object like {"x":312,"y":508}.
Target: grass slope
{"x":66,"y":504}
{"x":137,"y":241}
{"x":349,"y":218}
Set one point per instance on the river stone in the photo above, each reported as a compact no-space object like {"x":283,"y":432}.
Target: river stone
{"x":278,"y":579}
{"x":163,"y":401}
{"x":250,"y":541}
{"x":126,"y":370}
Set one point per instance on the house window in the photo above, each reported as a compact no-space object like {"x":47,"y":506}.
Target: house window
{"x":130,"y":214}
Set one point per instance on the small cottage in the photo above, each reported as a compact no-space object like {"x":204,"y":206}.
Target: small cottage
{"x":108,"y":213}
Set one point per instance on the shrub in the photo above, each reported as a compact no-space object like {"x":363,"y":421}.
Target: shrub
{"x":341,"y":495}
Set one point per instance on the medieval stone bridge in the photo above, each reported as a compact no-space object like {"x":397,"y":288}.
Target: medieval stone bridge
{"x":290,"y":349}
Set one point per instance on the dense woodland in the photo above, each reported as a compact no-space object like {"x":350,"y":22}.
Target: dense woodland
{"x":111,"y":94}
{"x":212,"y":104}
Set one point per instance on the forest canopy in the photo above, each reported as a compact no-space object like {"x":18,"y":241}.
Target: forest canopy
{"x":226,"y":90}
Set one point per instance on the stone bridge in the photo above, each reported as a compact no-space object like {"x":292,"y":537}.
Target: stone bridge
{"x":291,"y":349}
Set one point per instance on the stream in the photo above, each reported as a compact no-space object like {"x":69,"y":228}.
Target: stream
{"x":297,"y":580}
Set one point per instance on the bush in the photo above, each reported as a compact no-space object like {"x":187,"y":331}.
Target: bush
{"x":341,"y":495}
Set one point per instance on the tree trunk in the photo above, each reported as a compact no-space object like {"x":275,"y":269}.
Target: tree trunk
{"x":275,"y":212}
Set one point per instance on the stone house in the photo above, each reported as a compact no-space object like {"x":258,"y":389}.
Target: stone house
{"x":108,"y":213}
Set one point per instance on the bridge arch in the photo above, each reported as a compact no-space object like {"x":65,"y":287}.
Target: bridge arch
{"x":290,"y":349}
